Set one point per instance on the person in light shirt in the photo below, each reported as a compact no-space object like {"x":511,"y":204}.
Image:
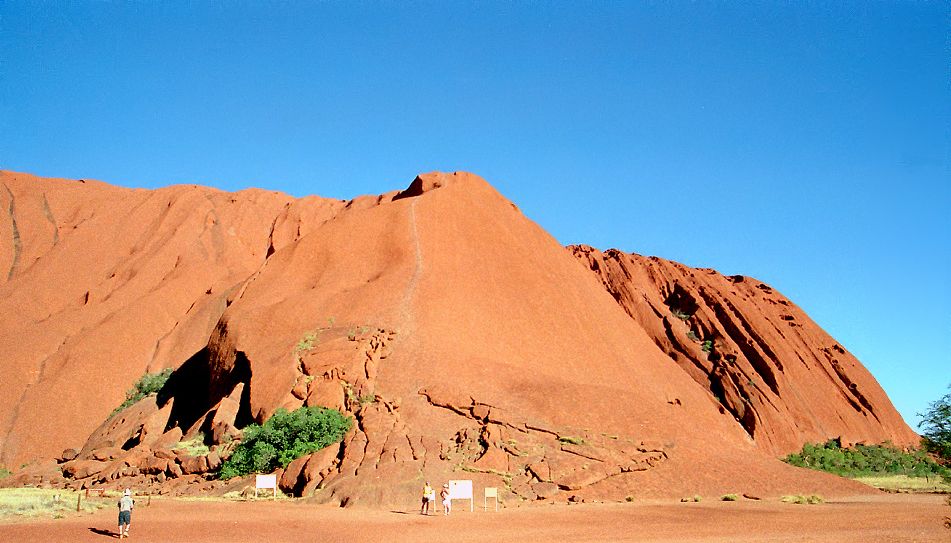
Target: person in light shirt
{"x":446,"y":502}
{"x":125,"y":513}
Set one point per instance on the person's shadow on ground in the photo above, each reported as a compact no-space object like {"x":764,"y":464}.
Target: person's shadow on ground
{"x":100,"y":531}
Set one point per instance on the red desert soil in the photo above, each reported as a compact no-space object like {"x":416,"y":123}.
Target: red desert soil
{"x":879,"y":518}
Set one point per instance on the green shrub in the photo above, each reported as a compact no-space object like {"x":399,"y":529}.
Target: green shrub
{"x":866,"y":460}
{"x":283,"y":438}
{"x":150,"y":383}
{"x":571,"y":439}
{"x":707,"y":346}
{"x":680,"y":314}
{"x":729,"y":497}
{"x":4,"y":472}
{"x":308,"y":342}
{"x":936,"y":426}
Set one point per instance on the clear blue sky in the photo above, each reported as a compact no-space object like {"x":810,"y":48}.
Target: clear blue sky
{"x":806,"y":144}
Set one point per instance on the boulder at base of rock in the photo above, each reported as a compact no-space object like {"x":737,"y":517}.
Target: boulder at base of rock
{"x":80,"y":469}
{"x":317,"y":467}
{"x":291,"y":479}
{"x":195,"y":464}
{"x":67,"y":455}
{"x":545,"y":491}
{"x":107,"y":453}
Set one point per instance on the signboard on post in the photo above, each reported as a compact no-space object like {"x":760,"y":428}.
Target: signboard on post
{"x":461,"y":490}
{"x":265,"y":482}
{"x":491,"y":492}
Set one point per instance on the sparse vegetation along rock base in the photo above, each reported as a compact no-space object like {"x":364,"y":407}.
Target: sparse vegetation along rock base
{"x":867,"y":460}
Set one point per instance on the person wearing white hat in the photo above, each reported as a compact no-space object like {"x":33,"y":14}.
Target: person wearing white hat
{"x":125,"y":513}
{"x":446,"y":502}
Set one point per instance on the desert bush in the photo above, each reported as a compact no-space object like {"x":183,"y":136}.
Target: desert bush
{"x":865,"y":460}
{"x":680,"y":314}
{"x":283,"y":438}
{"x":4,"y":472}
{"x":309,"y":341}
{"x":571,"y":439}
{"x":729,"y":497}
{"x":803,"y":500}
{"x":194,"y":447}
{"x":150,"y":383}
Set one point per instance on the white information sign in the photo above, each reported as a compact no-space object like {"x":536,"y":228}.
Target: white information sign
{"x":265,"y":482}
{"x":461,"y":490}
{"x":491,"y":492}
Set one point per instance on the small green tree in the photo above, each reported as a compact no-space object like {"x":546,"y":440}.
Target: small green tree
{"x":936,"y":426}
{"x":283,"y":438}
{"x":150,"y":383}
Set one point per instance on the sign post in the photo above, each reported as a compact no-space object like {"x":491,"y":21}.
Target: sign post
{"x":461,"y":490}
{"x":491,"y":492}
{"x":265,"y":482}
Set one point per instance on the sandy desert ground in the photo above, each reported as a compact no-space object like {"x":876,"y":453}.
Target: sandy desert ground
{"x":894,"y":517}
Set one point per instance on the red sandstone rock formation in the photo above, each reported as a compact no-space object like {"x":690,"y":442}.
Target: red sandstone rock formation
{"x":458,"y":334}
{"x":783,"y":379}
{"x":99,"y":284}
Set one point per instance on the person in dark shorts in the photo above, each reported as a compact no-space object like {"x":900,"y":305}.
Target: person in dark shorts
{"x":125,"y":513}
{"x":428,"y":497}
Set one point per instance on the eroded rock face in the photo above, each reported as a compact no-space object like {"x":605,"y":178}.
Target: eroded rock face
{"x":464,"y":341}
{"x":767,"y":364}
{"x":101,"y":284}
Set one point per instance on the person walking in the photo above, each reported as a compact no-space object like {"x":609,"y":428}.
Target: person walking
{"x":446,"y":502}
{"x":428,"y":497}
{"x":125,"y":513}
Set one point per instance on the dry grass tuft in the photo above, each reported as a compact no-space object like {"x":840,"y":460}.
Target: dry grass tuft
{"x":41,"y":502}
